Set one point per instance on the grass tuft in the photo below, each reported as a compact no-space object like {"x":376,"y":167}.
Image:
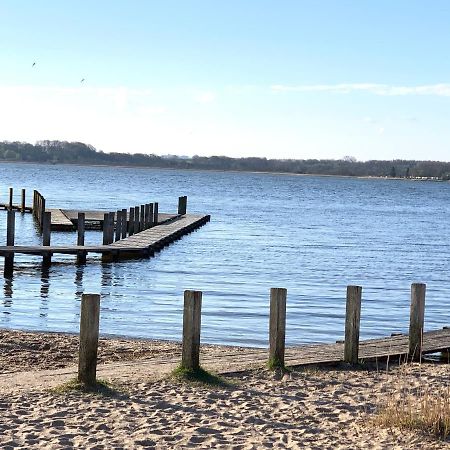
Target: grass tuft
{"x":425,"y":409}
{"x":101,"y":387}
{"x":274,"y":364}
{"x":200,"y":376}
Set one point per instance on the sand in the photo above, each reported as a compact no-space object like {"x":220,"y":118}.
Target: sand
{"x":310,"y":408}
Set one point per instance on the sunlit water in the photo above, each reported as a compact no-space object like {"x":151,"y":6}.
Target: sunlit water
{"x":311,"y":235}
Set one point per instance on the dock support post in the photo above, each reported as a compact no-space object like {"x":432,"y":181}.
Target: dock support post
{"x":352,"y":324}
{"x":81,"y":255}
{"x":46,"y":232}
{"x":182,"y":205}
{"x":10,"y":204}
{"x":277,"y":327}
{"x":41,"y":218}
{"x":111,"y":228}
{"x":147,"y":216}
{"x":142,"y":219}
{"x":105,"y":228}
{"x":89,"y":331}
{"x":118,"y":225}
{"x":190,"y":358}
{"x":124,"y":224}
{"x":33,"y":208}
{"x":131,"y":222}
{"x":22,"y":206}
{"x":155,"y":213}
{"x":151,"y":216}
{"x":416,"y":322}
{"x":9,"y":258}
{"x":136,"y":220}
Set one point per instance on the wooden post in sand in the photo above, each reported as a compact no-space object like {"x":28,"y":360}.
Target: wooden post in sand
{"x":89,"y":330}
{"x":9,"y":258}
{"x":182,"y":205}
{"x":190,"y":358}
{"x":22,"y":206}
{"x":352,"y":322}
{"x":416,"y":322}
{"x":277,"y":327}
{"x":46,"y":233}
{"x":81,"y":226}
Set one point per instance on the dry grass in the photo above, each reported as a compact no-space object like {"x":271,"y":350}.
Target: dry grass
{"x":423,"y":408}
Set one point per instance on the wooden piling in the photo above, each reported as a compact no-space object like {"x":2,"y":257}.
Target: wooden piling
{"x":146,"y":216}
{"x":89,"y":331}
{"x":155,"y":213}
{"x":10,"y":230}
{"x":131,"y":222}
{"x":46,"y":233}
{"x":352,"y":324}
{"x":151,"y":217}
{"x":81,"y":226}
{"x":22,"y":206}
{"x":182,"y":205}
{"x":137,"y":221}
{"x":277,"y":327}
{"x":142,"y":219}
{"x":118,"y":225}
{"x":190,"y":358}
{"x":10,"y":204}
{"x":416,"y":322}
{"x":124,"y":224}
{"x":111,"y":228}
{"x":105,"y":228}
{"x":42,"y":211}
{"x":33,"y":209}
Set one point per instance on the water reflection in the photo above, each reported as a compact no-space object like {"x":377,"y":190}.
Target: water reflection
{"x":45,"y":280}
{"x":79,"y":272}
{"x":8,"y":290}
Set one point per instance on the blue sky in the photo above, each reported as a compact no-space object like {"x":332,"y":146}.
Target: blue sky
{"x":287,"y":79}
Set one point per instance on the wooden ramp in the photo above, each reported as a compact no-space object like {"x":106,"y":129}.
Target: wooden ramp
{"x":140,"y":244}
{"x":60,"y":222}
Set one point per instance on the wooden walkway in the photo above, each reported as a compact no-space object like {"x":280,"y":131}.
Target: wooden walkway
{"x":145,"y":243}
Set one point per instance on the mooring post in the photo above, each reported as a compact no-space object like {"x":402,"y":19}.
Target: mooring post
{"x":136,"y":220}
{"x":33,"y":209}
{"x":352,"y":323}
{"x":22,"y":207}
{"x":416,"y":321}
{"x":105,"y":228}
{"x":111,"y":228}
{"x":151,"y":217}
{"x":42,"y":211}
{"x":124,"y":223}
{"x":192,"y":312}
{"x":9,"y":258}
{"x":118,"y":225}
{"x":81,"y":226}
{"x":131,"y":222}
{"x":182,"y":205}
{"x":142,"y":219}
{"x":89,"y":331}
{"x":46,"y":233}
{"x":277,"y":327}
{"x":10,"y":205}
{"x":155,"y":213}
{"x":146,"y":216}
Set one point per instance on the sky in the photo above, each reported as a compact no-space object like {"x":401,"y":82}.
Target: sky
{"x":286,"y":79}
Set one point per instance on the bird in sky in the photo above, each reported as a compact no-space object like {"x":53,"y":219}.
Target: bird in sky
{"x":34,"y":64}
{"x":82,"y":80}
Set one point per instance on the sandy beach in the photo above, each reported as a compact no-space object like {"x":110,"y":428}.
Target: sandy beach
{"x":309,"y":408}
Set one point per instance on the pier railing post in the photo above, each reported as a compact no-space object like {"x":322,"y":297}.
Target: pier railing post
{"x":131,"y":222}
{"x":89,"y":332}
{"x":10,"y":230}
{"x":105,"y":228}
{"x":118,"y":225}
{"x":277,"y":327}
{"x":22,"y":206}
{"x":416,"y":322}
{"x":155,"y":213}
{"x":81,"y":226}
{"x":10,"y":204}
{"x":190,"y":358}
{"x":146,"y":216}
{"x":136,"y":220}
{"x":124,"y":224}
{"x":182,"y":205}
{"x":111,"y":228}
{"x":142,"y":219}
{"x":352,"y":324}
{"x":41,"y":218}
{"x":151,"y":216}
{"x":33,"y":208}
{"x":46,"y":233}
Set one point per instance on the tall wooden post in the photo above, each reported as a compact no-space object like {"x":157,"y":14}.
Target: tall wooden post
{"x":182,"y":205}
{"x":136,"y":220}
{"x":89,"y":332}
{"x":155,"y":213}
{"x":277,"y":327}
{"x":105,"y":228}
{"x":42,"y":211}
{"x":111,"y":228}
{"x":142,"y":219}
{"x":131,"y":222}
{"x":81,"y":226}
{"x":33,"y":209}
{"x":124,"y":223}
{"x":46,"y":233}
{"x":151,"y":216}
{"x":22,"y":206}
{"x":146,"y":216}
{"x":10,"y":230}
{"x":10,"y":205}
{"x":416,"y":322}
{"x":118,"y":225}
{"x":190,"y":358}
{"x":352,"y":324}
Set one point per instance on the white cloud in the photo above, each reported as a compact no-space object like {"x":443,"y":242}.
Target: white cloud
{"x":205,"y":97}
{"x":440,"y":89}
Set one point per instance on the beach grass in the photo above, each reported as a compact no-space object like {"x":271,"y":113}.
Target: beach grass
{"x":101,"y":387}
{"x":200,"y":376}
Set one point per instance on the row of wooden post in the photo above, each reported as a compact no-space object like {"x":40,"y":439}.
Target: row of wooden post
{"x":10,"y":204}
{"x":190,"y":357}
{"x":38,"y":207}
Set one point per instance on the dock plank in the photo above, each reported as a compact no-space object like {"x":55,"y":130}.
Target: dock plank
{"x":60,"y":222}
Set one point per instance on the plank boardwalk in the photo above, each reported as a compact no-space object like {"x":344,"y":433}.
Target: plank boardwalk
{"x":60,"y":221}
{"x":144,"y":243}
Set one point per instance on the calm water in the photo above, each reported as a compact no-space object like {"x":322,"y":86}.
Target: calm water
{"x":311,"y":235}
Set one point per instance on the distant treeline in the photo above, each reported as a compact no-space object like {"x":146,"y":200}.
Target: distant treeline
{"x":78,"y":153}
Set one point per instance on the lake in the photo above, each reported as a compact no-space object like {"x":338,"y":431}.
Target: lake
{"x":311,"y":235}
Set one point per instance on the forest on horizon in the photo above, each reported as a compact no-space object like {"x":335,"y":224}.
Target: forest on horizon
{"x":62,"y":152}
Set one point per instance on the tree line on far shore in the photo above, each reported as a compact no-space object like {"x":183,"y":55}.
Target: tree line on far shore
{"x":61,"y":152}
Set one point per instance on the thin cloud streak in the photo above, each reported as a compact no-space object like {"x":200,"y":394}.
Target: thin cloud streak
{"x":439,"y":89}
